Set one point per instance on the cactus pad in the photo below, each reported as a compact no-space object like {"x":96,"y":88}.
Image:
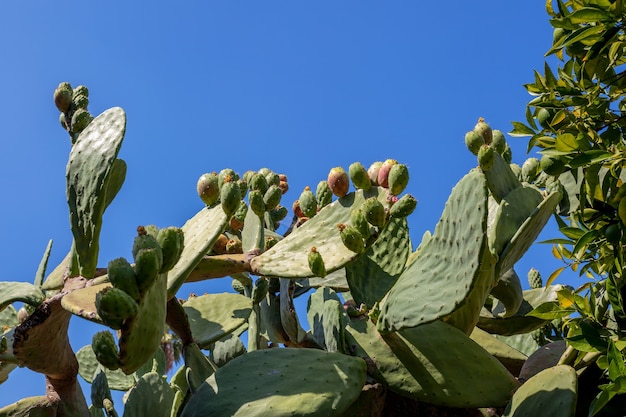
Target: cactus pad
{"x":11,"y":292}
{"x":152,"y":396}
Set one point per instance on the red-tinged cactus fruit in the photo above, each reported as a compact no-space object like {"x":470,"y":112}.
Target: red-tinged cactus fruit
{"x":226,"y":175}
{"x":308,"y":203}
{"x":403,"y":207}
{"x":234,"y":245}
{"x":323,"y":194}
{"x":351,"y":238}
{"x":219,"y":246}
{"x":297,"y":211}
{"x":383,"y":172}
{"x":484,"y":130}
{"x":374,"y":212}
{"x":486,"y":157}
{"x":398,"y":178}
{"x":230,"y":196}
{"x":257,"y":205}
{"x":473,"y":141}
{"x":372,"y":172}
{"x":208,"y":188}
{"x":283,"y":183}
{"x":272,"y":197}
{"x":63,"y":97}
{"x":359,"y":176}
{"x":316,"y":263}
{"x":338,"y":181}
{"x":104,"y":346}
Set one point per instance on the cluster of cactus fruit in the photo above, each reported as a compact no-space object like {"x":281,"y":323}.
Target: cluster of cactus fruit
{"x":391,"y":327}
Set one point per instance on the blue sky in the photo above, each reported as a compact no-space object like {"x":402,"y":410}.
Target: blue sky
{"x":299,"y":87}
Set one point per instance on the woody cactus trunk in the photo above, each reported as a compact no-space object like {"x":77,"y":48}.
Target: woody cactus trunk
{"x":391,"y":328}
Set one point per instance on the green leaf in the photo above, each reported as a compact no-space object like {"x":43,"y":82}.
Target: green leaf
{"x":521,"y":130}
{"x":576,"y":36}
{"x":554,"y":275}
{"x":550,"y":311}
{"x":566,"y":143}
{"x":589,"y":15}
{"x":600,"y":401}
{"x":616,"y":362}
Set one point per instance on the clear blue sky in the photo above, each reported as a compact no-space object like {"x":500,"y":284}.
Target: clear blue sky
{"x":299,"y":87}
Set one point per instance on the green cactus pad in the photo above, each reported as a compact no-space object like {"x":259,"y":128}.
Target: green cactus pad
{"x":336,"y":280}
{"x":82,"y":302}
{"x":289,"y":257}
{"x":8,"y":318}
{"x":288,"y":315}
{"x":508,"y":291}
{"x":198,"y":365}
{"x":253,"y":232}
{"x":200,"y":233}
{"x":212,"y":316}
{"x":91,"y":162}
{"x":452,"y":271}
{"x":434,"y":363}
{"x":511,"y":358}
{"x":281,"y":382}
{"x":227,"y":349}
{"x":519,"y":322}
{"x":326,"y":319}
{"x":500,"y":178}
{"x":552,"y":392}
{"x":100,"y":388}
{"x":523,"y":342}
{"x":372,"y":275}
{"x":88,"y":364}
{"x":5,"y":370}
{"x":152,"y":396}
{"x":11,"y":292}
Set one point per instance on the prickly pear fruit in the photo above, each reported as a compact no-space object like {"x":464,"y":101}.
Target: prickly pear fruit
{"x":373,"y":170}
{"x":398,"y":179}
{"x":374,"y":212}
{"x":279,"y":213}
{"x":63,"y":121}
{"x":234,"y":245}
{"x":171,"y":240}
{"x":258,"y":182}
{"x":308,"y":203}
{"x":473,"y":141}
{"x":534,"y":278}
{"x":63,"y":97}
{"x":247,"y":176}
{"x":122,"y":276}
{"x":486,"y":157}
{"x":358,"y":175}
{"x":243,"y":188}
{"x":351,"y":238}
{"x":81,"y":90}
{"x":259,"y":290}
{"x":338,"y":181}
{"x":323,"y":194}
{"x":226,"y":175}
{"x":145,"y":240}
{"x":297,"y":211}
{"x":237,"y":221}
{"x":358,"y":220}
{"x":530,"y":170}
{"x":230,"y":196}
{"x":104,"y":346}
{"x":552,"y":165}
{"x":498,"y":141}
{"x":283,"y":184}
{"x":507,"y":155}
{"x":316,"y":263}
{"x":80,"y":101}
{"x":264,"y":171}
{"x":114,"y":306}
{"x":272,"y":197}
{"x":272,"y":178}
{"x":147,"y":267}
{"x":403,"y":207}
{"x":208,"y":188}
{"x":257,"y":205}
{"x":484,"y":130}
{"x":383,"y":172}
{"x":80,"y":119}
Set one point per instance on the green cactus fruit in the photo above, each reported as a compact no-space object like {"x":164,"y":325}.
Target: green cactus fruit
{"x":80,"y":101}
{"x":226,"y":175}
{"x":105,"y":348}
{"x":316,"y":263}
{"x":208,"y":188}
{"x":171,"y":240}
{"x":351,"y":238}
{"x":360,"y":223}
{"x":80,"y":119}
{"x":323,"y":194}
{"x":144,"y":240}
{"x":234,"y":245}
{"x":63,"y":97}
{"x":498,"y":141}
{"x":258,"y":182}
{"x":374,"y":212}
{"x":122,"y":276}
{"x":358,"y":175}
{"x":383,"y":172}
{"x":272,"y":178}
{"x":552,"y":165}
{"x":237,"y":221}
{"x":259,"y":290}
{"x":534,"y":278}
{"x":247,"y":176}
{"x":152,"y":230}
{"x":230,"y":196}
{"x":486,"y":157}
{"x":243,"y":187}
{"x":507,"y":155}
{"x":147,"y":267}
{"x":81,"y":90}
{"x":373,"y":170}
{"x":257,"y":205}
{"x":530,"y":170}
{"x":279,"y":213}
{"x":398,"y":178}
{"x":114,"y":306}
{"x":473,"y":141}
{"x":272,"y":197}
{"x":338,"y":181}
{"x":308,"y":203}
{"x":403,"y":207}
{"x":484,"y":130}
{"x":63,"y":121}
{"x":264,"y":171}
